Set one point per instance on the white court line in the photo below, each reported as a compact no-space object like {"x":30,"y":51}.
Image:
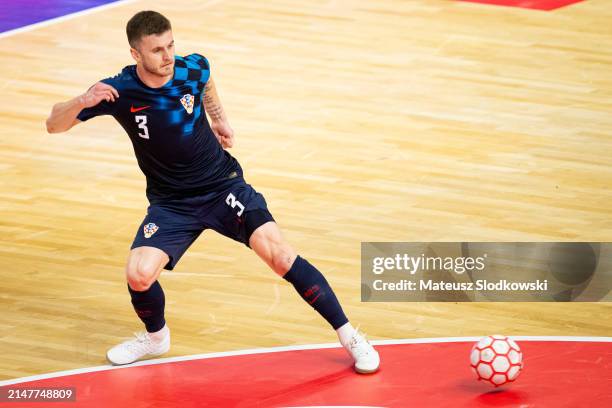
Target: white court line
{"x":293,"y":348}
{"x":65,"y":17}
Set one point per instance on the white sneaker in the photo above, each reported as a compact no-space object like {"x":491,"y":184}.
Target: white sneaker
{"x":366,"y":358}
{"x":144,"y":345}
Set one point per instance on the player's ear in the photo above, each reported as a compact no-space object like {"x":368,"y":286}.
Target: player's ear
{"x":135,"y":54}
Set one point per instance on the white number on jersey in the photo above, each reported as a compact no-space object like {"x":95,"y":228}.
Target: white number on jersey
{"x":232,"y":202}
{"x":142,"y":124}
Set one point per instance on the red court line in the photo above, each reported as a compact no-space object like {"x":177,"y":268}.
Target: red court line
{"x":546,"y":5}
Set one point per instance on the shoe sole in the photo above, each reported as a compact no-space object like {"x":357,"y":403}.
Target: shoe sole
{"x":362,"y":371}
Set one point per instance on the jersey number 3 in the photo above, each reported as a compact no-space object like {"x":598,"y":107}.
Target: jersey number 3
{"x":142,"y":124}
{"x":232,"y":202}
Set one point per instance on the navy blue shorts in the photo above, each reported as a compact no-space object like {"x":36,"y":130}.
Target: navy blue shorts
{"x":174,"y":225}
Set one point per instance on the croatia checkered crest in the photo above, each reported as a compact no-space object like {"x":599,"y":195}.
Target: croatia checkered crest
{"x":187,"y":102}
{"x":496,"y":359}
{"x":150,"y":229}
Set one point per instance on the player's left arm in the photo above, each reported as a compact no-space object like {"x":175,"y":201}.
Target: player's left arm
{"x":218,"y":118}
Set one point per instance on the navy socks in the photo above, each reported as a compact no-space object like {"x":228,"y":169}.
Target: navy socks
{"x":149,"y":306}
{"x":305,"y":278}
{"x":314,"y":289}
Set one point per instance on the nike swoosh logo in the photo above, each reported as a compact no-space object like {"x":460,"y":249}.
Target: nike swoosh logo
{"x":133,"y":109}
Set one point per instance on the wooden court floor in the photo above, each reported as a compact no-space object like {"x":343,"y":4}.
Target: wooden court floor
{"x":424,"y":120}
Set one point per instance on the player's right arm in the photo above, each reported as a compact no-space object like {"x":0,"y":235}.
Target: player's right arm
{"x":64,"y":114}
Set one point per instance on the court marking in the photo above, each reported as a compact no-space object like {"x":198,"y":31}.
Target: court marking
{"x":70,"y":16}
{"x":433,"y":340}
{"x":543,"y":5}
{"x":65,"y":17}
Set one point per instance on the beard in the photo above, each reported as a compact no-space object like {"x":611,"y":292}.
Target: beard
{"x":161,"y":71}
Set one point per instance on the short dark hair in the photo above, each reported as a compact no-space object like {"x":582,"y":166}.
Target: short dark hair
{"x":146,"y":23}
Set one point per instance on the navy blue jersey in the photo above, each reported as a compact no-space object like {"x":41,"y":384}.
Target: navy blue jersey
{"x":174,"y":144}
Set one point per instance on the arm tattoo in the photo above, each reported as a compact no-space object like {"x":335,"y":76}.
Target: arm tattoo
{"x":212,"y":105}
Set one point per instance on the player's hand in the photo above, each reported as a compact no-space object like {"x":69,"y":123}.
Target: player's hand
{"x":97,"y":93}
{"x":224,"y":133}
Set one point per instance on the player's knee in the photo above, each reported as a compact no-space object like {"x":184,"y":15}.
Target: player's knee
{"x":139,"y":283}
{"x":270,"y":245}
{"x":283,"y":257}
{"x":142,"y":277}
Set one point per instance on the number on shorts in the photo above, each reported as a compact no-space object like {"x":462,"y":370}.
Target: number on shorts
{"x":142,"y":124}
{"x":232,"y":202}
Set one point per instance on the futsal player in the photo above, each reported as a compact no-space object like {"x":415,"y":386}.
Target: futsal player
{"x":193,"y":184}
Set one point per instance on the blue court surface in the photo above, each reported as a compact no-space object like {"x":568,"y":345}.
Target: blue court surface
{"x":17,"y":14}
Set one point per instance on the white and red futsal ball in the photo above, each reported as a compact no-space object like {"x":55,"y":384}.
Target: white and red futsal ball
{"x":496,"y":359}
